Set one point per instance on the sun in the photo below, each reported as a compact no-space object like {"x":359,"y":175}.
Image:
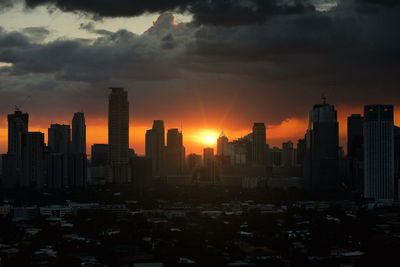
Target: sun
{"x":210,"y":140}
{"x":205,"y":137}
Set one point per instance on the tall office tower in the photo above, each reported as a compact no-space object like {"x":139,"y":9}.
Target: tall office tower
{"x":9,"y":177}
{"x":276,"y":156}
{"x":355,"y":158}
{"x":259,"y":142}
{"x":175,"y":152}
{"x":77,"y":169}
{"x":396,"y":161}
{"x":288,"y":155}
{"x":99,"y":155}
{"x":378,"y":152}
{"x":78,"y":144}
{"x":208,"y":156}
{"x":32,"y":155}
{"x":17,"y":125}
{"x":223,"y":145}
{"x":155,"y":147}
{"x":300,"y":151}
{"x":241,"y":150}
{"x":118,"y":136}
{"x":322,"y":147}
{"x":59,"y":141}
{"x":193,"y":161}
{"x":268,"y":156}
{"x":55,"y":170}
{"x":209,"y":164}
{"x":141,"y":168}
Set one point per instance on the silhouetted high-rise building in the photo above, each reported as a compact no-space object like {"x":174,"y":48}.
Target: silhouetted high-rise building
{"x":241,"y":151}
{"x":175,"y":152}
{"x":174,"y":138}
{"x":77,"y":169}
{"x":259,"y":143}
{"x":55,"y":170}
{"x":223,"y":145}
{"x":208,"y":156}
{"x":10,"y":175}
{"x":118,"y":136}
{"x":355,"y":158}
{"x":276,"y":156}
{"x":288,"y":155}
{"x":155,"y":147}
{"x":300,"y":151}
{"x":396,"y":161}
{"x":193,"y":161}
{"x":33,"y":164}
{"x":17,"y":125}
{"x":379,"y":152}
{"x":99,"y":155}
{"x":141,"y":168}
{"x":209,"y":164}
{"x":78,"y":144}
{"x":59,"y":141}
{"x":322,"y":148}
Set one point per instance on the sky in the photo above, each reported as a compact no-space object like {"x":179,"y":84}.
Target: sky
{"x":206,"y":66}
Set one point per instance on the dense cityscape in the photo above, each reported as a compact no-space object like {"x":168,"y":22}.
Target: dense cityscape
{"x":245,"y":204}
{"x":168,"y":133}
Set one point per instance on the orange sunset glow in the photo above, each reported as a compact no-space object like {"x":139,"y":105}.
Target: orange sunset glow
{"x":197,"y":138}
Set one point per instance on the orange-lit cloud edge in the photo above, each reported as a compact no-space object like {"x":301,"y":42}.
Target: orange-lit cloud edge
{"x":194,"y":137}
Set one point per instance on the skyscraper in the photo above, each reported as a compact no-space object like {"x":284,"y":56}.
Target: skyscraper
{"x":59,"y":142}
{"x":209,"y":164}
{"x":259,"y":143}
{"x":322,"y":148}
{"x":193,"y":161}
{"x":17,"y":125}
{"x":155,"y":147}
{"x":118,"y":136}
{"x":378,"y":152}
{"x":300,"y":151}
{"x":32,"y":155}
{"x":78,"y":134}
{"x":175,"y":152}
{"x":288,"y":154}
{"x":223,"y":145}
{"x":355,"y":158}
{"x":99,"y":154}
{"x":77,"y":169}
{"x":396,"y":161}
{"x":54,"y":170}
{"x":276,"y":156}
{"x":208,"y":156}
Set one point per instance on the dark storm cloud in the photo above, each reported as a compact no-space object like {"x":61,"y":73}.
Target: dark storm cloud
{"x":5,"y":4}
{"x":112,"y":8}
{"x":120,"y":54}
{"x":386,"y":3}
{"x":12,"y":39}
{"x":215,"y":12}
{"x":232,"y":13}
{"x":36,"y":34}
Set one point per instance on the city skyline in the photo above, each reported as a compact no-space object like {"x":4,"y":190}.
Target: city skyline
{"x":195,"y":139}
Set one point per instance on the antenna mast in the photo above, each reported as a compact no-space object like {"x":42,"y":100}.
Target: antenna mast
{"x":323,"y":97}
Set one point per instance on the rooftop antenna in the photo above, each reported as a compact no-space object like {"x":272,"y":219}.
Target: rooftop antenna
{"x":181,"y":127}
{"x":18,"y":108}
{"x":323,"y":97}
